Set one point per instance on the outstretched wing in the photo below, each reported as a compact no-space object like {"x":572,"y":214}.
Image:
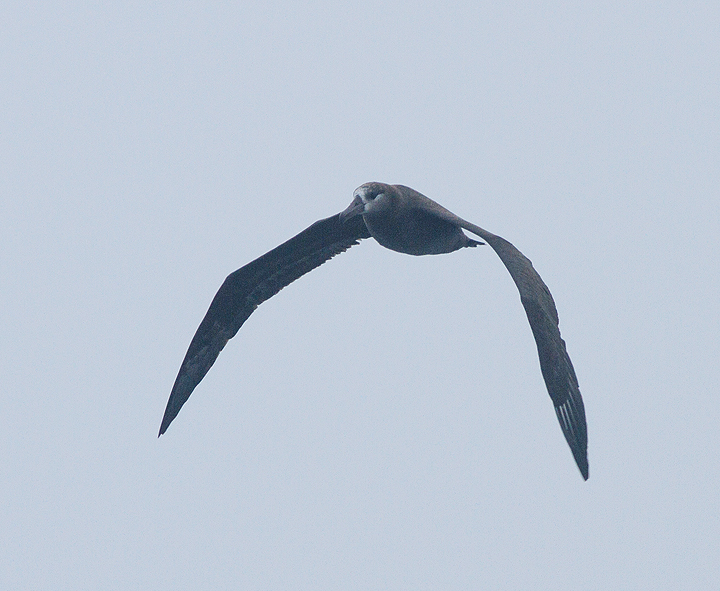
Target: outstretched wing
{"x":557,"y":369}
{"x":245,"y":289}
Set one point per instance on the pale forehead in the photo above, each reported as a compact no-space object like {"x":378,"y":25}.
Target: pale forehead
{"x":362,"y":190}
{"x":367,"y":188}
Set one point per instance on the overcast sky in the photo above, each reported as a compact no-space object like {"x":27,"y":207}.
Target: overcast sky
{"x":382,"y":423}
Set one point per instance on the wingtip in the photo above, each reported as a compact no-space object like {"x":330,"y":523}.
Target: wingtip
{"x":166,"y":420}
{"x":171,"y":411}
{"x":585,"y":472}
{"x":164,"y":425}
{"x":571,"y":415}
{"x":581,"y":461}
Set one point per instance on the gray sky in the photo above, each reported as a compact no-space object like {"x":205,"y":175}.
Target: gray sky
{"x":382,"y":423}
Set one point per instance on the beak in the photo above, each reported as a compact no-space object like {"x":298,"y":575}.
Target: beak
{"x":357,"y":207}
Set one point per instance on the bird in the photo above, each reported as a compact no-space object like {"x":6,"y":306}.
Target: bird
{"x":406,"y":221}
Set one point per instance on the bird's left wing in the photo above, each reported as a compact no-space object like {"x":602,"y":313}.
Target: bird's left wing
{"x":557,"y":369}
{"x":248,"y":287}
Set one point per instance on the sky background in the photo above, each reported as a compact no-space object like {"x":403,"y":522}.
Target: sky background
{"x":382,"y":423}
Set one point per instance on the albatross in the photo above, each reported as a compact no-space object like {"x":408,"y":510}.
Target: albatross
{"x":406,"y":221}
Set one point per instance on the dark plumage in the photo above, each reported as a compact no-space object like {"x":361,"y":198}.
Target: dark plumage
{"x":401,"y":219}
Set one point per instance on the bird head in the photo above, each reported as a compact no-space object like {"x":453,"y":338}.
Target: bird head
{"x":369,"y":199}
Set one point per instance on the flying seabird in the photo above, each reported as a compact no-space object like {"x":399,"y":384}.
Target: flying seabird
{"x":403,"y":220}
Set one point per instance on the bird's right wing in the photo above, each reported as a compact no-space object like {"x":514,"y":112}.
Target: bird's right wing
{"x":245,"y":289}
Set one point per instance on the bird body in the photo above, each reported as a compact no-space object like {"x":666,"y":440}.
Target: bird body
{"x":406,"y":221}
